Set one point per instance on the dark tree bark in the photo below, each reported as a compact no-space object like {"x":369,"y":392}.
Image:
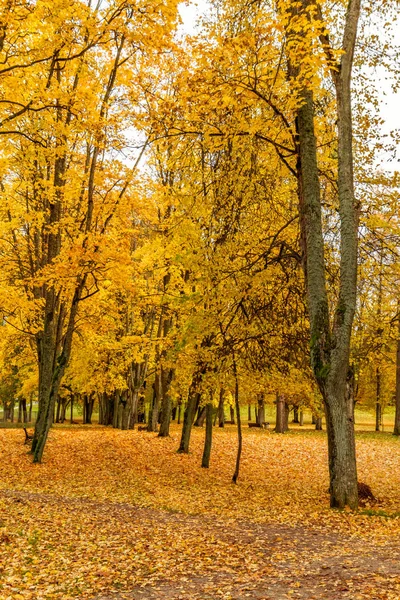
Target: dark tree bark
{"x":167,"y":377}
{"x":239,"y":425}
{"x":205,"y":463}
{"x":280,"y":425}
{"x":330,"y":345}
{"x":396,"y":430}
{"x":301,"y":422}
{"x":201,"y":417}
{"x":221,"y":409}
{"x":378,"y":405}
{"x":179,"y":411}
{"x":188,"y":422}
{"x":295,"y":414}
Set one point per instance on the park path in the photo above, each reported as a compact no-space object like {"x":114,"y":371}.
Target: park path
{"x":216,"y":559}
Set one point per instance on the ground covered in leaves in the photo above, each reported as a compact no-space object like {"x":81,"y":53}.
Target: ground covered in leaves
{"x":114,"y":514}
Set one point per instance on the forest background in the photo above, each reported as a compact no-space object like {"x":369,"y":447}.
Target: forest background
{"x":198,"y":230}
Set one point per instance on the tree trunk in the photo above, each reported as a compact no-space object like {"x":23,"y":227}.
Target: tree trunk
{"x":249,"y":412}
{"x":155,"y":405}
{"x":378,"y":405}
{"x":232,"y":411}
{"x":166,"y":377}
{"x":239,"y":424}
{"x":64,"y":406}
{"x":287,"y":411}
{"x":280,"y":425}
{"x":318,"y":424}
{"x":301,"y":418}
{"x":188,"y":422}
{"x":30,"y":408}
{"x":208,"y":438}
{"x":261,"y":410}
{"x":179,"y":411}
{"x":330,"y":346}
{"x":396,"y":430}
{"x":295,"y":414}
{"x":201,"y":417}
{"x":221,"y":409}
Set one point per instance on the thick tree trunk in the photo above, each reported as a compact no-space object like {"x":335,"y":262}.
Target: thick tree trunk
{"x":208,"y":438}
{"x":330,"y":346}
{"x":188,"y":422}
{"x":280,"y":425}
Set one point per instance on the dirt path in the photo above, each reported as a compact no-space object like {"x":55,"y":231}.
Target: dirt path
{"x":208,"y":558}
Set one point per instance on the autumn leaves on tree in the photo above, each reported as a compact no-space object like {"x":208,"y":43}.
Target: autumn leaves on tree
{"x":181,"y":218}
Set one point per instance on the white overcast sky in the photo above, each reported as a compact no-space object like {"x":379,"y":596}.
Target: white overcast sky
{"x":390,"y":102}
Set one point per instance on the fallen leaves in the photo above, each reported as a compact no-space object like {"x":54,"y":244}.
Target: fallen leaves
{"x":114,"y":510}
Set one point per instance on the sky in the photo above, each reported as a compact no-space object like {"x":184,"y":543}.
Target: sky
{"x":389,"y":101}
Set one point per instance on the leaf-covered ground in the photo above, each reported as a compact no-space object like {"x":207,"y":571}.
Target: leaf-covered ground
{"x":114,"y":514}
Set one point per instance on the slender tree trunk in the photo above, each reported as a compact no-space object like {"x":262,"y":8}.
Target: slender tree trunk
{"x":221,"y":409}
{"x":378,"y":406}
{"x":301,"y":418}
{"x":232,"y":411}
{"x":318,"y":424}
{"x":72,"y":409}
{"x":179,"y":411}
{"x":396,"y":430}
{"x":239,"y":425}
{"x":249,"y":412}
{"x":166,"y":376}
{"x":208,"y":437}
{"x":295,"y":414}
